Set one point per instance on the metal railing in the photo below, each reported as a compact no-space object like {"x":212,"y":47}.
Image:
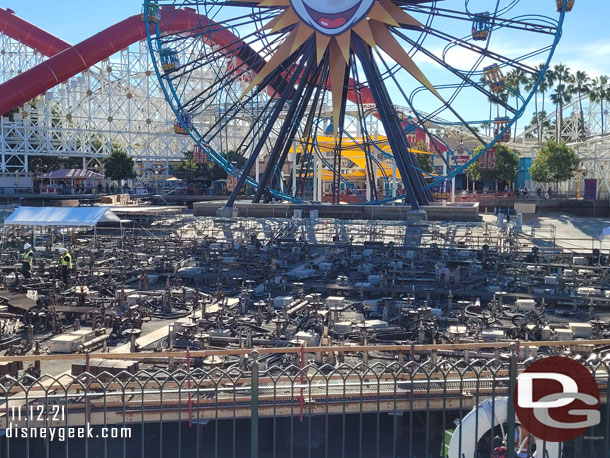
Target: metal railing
{"x":381,"y":401}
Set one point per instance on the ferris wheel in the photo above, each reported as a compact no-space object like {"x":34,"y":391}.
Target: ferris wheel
{"x":338,"y":99}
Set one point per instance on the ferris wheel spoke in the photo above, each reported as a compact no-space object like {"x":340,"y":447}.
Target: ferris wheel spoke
{"x":490,"y":95}
{"x":274,"y":115}
{"x":481,"y":51}
{"x":366,"y":146}
{"x":198,"y":100}
{"x":421,"y":121}
{"x":229,"y":115}
{"x":522,"y":23}
{"x":249,"y":60}
{"x":239,"y":47}
{"x":302,"y":95}
{"x":393,"y":130}
{"x":310,"y":129}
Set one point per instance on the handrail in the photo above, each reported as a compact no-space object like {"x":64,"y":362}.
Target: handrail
{"x":285,"y":350}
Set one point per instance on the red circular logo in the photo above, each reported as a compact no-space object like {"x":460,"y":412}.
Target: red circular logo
{"x":557,"y":399}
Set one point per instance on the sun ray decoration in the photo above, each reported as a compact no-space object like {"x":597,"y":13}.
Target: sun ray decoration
{"x":265,"y":67}
{"x":372,"y":27}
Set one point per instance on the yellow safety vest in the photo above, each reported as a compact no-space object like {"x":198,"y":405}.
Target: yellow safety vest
{"x":28,"y":257}
{"x":66,"y":260}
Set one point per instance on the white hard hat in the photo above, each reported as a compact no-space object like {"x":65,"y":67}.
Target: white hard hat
{"x":63,"y":250}
{"x":27,"y":246}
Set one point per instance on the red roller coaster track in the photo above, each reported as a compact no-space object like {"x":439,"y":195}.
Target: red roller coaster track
{"x":74,"y":59}
{"x":30,"y":35}
{"x":67,"y":61}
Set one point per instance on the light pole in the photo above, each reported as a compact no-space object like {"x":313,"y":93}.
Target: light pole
{"x":582,"y":170}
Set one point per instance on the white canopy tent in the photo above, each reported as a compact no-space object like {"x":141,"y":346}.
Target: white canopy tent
{"x":66,"y":217}
{"x":61,"y":216}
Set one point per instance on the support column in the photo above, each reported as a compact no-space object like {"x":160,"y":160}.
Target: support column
{"x":254,"y":407}
{"x":3,"y":143}
{"x":394,"y":182}
{"x":314,"y":178}
{"x":453,"y":190}
{"x":320,"y":181}
{"x":294,"y":168}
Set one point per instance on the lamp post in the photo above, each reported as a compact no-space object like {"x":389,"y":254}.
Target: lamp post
{"x":581,"y":171}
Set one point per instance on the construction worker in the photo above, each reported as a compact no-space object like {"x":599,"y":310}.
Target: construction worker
{"x":66,"y":265}
{"x":27,"y":261}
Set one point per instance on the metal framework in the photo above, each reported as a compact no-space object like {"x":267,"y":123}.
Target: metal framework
{"x":117,"y":102}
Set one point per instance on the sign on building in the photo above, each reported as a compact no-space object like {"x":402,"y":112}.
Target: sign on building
{"x":487,"y":160}
{"x":199,"y":156}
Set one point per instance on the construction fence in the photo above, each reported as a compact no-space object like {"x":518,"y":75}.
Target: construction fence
{"x":394,"y":401}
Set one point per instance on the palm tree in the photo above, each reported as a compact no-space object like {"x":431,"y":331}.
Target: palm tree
{"x":580,"y":85}
{"x":560,"y":97}
{"x":487,"y":126}
{"x":545,"y":85}
{"x":599,"y":94}
{"x":490,"y":100}
{"x":529,"y":85}
{"x":493,"y":98}
{"x":514,"y":80}
{"x":560,"y":74}
{"x":538,"y":120}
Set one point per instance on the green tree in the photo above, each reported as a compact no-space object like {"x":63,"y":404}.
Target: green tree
{"x":507,"y":166}
{"x":45,"y":164}
{"x":531,"y":82}
{"x":186,"y":170}
{"x":545,"y":85}
{"x":425,"y":161}
{"x":556,"y":162}
{"x":539,"y":120}
{"x":119,"y":165}
{"x":560,"y":74}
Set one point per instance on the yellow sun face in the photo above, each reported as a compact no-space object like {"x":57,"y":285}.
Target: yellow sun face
{"x":331,"y":23}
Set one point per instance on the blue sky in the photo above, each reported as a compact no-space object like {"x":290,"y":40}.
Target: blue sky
{"x":585,"y":44}
{"x":586,"y":41}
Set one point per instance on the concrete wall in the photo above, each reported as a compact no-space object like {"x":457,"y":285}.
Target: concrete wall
{"x":7,"y":183}
{"x":451,"y":212}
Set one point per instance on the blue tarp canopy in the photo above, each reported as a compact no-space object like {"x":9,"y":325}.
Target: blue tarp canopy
{"x":61,"y":216}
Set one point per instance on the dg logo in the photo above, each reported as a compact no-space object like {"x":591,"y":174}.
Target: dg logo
{"x":557,"y":399}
